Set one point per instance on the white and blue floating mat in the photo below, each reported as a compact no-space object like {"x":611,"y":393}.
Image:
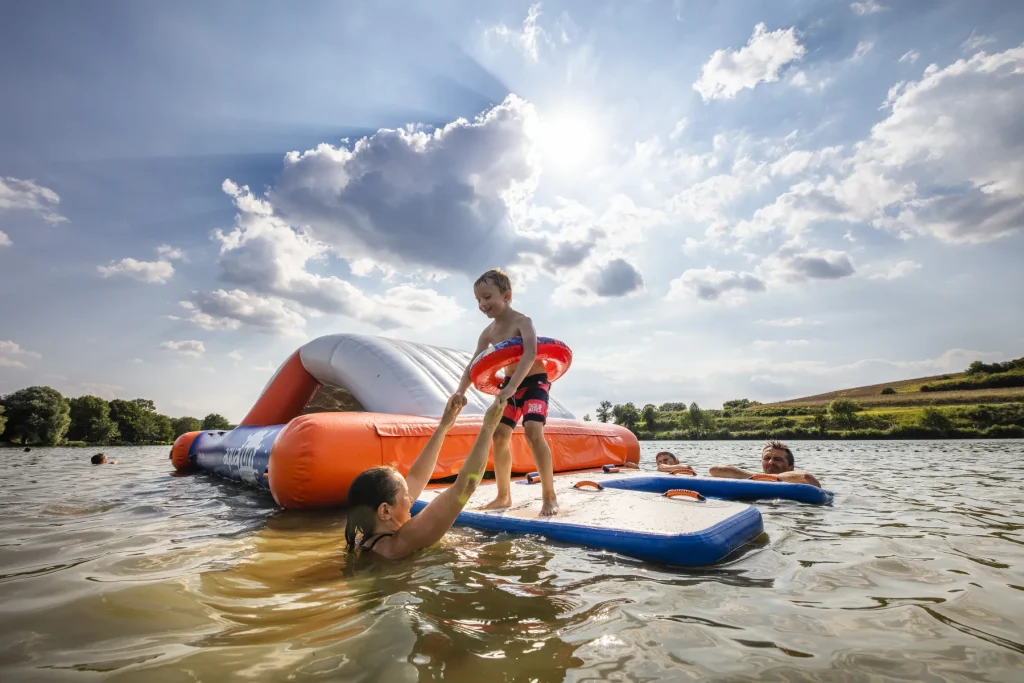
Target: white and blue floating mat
{"x":683,"y":530}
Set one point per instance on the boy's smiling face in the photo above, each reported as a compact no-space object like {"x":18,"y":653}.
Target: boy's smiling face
{"x":490,"y":299}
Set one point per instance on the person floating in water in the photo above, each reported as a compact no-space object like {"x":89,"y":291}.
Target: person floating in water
{"x":776,"y":460}
{"x":526,"y":388}
{"x":101,"y":459}
{"x":380,"y":498}
{"x":668,"y":462}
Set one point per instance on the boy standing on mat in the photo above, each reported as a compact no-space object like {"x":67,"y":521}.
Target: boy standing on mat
{"x":525,"y":386}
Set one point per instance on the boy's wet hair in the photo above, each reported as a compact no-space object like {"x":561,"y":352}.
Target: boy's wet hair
{"x":97,"y":459}
{"x":496,"y":277}
{"x":371,"y":488}
{"x":776,"y":444}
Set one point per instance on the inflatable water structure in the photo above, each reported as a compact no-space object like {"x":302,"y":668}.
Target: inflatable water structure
{"x":344,"y":403}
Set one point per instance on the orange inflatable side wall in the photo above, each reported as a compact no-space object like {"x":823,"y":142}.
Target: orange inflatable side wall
{"x":180,"y":449}
{"x":316,"y":457}
{"x":285,"y":395}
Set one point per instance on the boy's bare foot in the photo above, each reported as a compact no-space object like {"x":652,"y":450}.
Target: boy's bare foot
{"x":497,"y":504}
{"x":548,"y":508}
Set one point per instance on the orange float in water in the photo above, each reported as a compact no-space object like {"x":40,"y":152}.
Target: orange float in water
{"x":344,"y":403}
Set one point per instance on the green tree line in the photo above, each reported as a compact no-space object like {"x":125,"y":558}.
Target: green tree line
{"x":842,"y":418}
{"x":43,"y":416}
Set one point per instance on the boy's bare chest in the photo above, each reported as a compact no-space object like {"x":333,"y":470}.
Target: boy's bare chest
{"x":500,"y":333}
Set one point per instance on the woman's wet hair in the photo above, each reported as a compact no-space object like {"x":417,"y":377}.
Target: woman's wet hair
{"x":97,"y":459}
{"x":371,"y":488}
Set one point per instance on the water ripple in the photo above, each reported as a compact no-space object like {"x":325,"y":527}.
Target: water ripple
{"x":129,"y":573}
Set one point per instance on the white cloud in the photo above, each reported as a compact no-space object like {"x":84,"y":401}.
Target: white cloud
{"x":137,"y":361}
{"x":948,"y":161}
{"x":10,"y":363}
{"x":600,"y":280}
{"x":910,"y":56}
{"x":101,"y":389}
{"x":170,"y":253}
{"x":801,"y":160}
{"x":442,"y":200}
{"x":229,"y":309}
{"x":235,"y":356}
{"x":793,"y":264}
{"x":416,"y":203}
{"x":955,"y":140}
{"x":266,"y":367}
{"x":894,"y":271}
{"x":26,"y":195}
{"x":975,"y":41}
{"x":152,"y":272}
{"x":710,"y":284}
{"x":190,"y":347}
{"x":679,"y":129}
{"x":10,"y":348}
{"x":787,"y":322}
{"x":529,"y":39}
{"x":767,"y":344}
{"x":867,"y":7}
{"x":5,"y":241}
{"x":728,"y":72}
{"x":811,"y":84}
{"x":863,"y":47}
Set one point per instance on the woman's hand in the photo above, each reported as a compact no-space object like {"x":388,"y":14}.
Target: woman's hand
{"x":452,"y":410}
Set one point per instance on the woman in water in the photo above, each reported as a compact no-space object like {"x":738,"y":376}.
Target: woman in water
{"x":380,"y":498}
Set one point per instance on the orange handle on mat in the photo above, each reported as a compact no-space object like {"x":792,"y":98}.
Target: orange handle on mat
{"x":684,"y":493}
{"x":764,"y":477}
{"x":610,"y":469}
{"x":533,"y":477}
{"x":685,"y":469}
{"x":587,"y":482}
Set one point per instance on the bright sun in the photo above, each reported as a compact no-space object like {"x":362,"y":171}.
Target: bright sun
{"x":567,"y":140}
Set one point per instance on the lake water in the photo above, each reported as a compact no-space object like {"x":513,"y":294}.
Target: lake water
{"x":127,"y":573}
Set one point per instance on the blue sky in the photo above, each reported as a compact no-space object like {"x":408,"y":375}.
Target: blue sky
{"x":705,"y":200}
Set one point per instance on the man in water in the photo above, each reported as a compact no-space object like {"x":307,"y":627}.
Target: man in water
{"x":668,"y":462}
{"x":776,"y":460}
{"x":101,"y":459}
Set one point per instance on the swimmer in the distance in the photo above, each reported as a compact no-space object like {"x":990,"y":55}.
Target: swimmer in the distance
{"x":380,"y":498}
{"x":668,"y":462}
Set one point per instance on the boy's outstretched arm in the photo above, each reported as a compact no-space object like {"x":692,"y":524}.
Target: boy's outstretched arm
{"x":529,"y":335}
{"x":481,"y":344}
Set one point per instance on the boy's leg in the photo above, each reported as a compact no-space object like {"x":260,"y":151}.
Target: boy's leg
{"x":535,"y":414}
{"x":503,"y":457}
{"x":542,"y":456}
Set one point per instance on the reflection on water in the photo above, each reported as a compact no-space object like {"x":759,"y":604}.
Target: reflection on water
{"x":129,"y":573}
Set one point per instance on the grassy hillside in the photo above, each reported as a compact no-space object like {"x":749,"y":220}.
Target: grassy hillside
{"x":986,"y":401}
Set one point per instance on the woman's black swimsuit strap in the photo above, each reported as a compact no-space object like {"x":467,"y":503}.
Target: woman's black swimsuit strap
{"x":368,"y":543}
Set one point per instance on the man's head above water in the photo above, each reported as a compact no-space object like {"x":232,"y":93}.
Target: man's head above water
{"x":666,"y":458}
{"x":776,"y":457}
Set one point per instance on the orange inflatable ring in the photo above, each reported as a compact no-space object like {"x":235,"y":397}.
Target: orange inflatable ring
{"x":483,"y":371}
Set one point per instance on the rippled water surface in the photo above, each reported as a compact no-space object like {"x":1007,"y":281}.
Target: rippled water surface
{"x":127,"y":573}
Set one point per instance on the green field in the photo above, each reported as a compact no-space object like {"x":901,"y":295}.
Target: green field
{"x":987,"y":401}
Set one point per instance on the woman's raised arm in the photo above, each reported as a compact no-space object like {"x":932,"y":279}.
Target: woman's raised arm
{"x":433,"y":521}
{"x":423,"y":466}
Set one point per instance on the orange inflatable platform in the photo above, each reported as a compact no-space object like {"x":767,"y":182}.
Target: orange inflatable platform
{"x":344,"y":403}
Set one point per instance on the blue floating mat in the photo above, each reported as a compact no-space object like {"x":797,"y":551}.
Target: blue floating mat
{"x":715,"y":487}
{"x":677,"y":531}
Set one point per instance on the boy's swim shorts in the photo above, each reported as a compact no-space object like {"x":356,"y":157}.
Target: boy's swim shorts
{"x":530,"y":402}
